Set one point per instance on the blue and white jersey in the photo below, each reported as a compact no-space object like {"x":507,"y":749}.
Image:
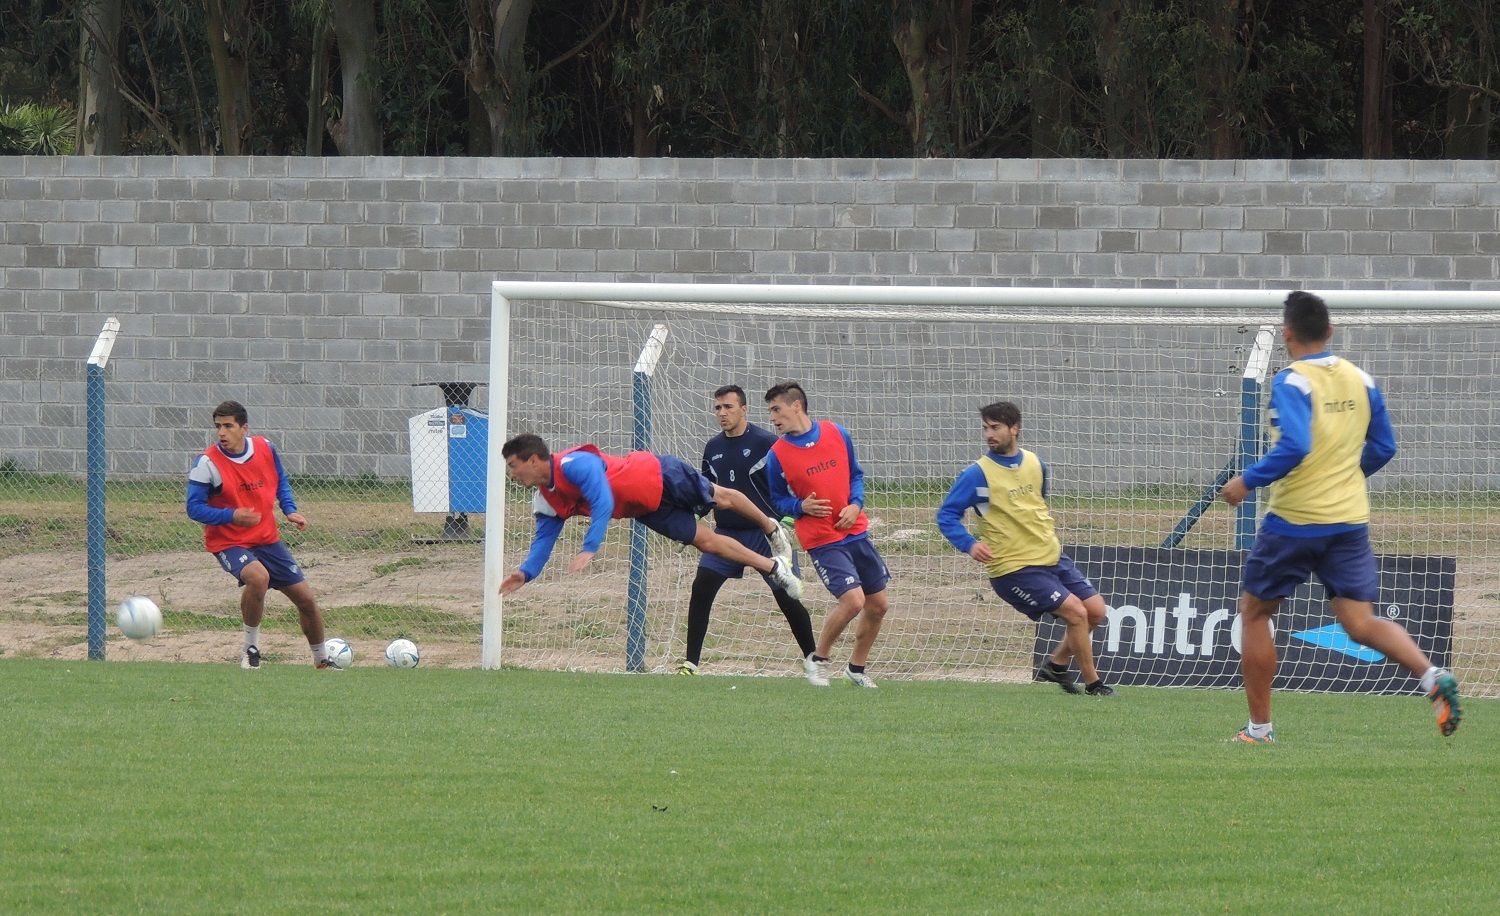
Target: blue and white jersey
{"x":739,"y":463}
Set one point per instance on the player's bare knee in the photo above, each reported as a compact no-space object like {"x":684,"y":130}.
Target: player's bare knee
{"x":255,"y":577}
{"x":1071,"y":612}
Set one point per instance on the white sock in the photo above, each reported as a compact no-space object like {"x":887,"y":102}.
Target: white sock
{"x":252,"y":635}
{"x":1257,"y":730}
{"x":1429,"y":678}
{"x":319,"y":651}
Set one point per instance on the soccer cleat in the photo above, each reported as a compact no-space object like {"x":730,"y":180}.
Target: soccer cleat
{"x":250,"y":658}
{"x":1099,"y":689}
{"x":817,"y":672}
{"x":328,"y":664}
{"x":687,"y":667}
{"x":1243,"y":736}
{"x":783,"y":579}
{"x":1060,"y":678}
{"x":1444,"y":697}
{"x":859,"y":679}
{"x":781,"y":545}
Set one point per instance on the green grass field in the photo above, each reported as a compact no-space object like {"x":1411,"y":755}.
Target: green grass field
{"x":202,"y":788}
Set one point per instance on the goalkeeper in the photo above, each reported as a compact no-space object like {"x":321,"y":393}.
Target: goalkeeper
{"x":1017,"y":543}
{"x":663,"y":492}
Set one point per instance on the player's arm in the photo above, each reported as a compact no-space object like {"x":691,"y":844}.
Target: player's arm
{"x":284,"y":496}
{"x":1380,"y":438}
{"x":1291,"y":413}
{"x":203,"y":482}
{"x":543,"y":538}
{"x":783,"y":500}
{"x":962,"y":496}
{"x":587,"y":473}
{"x":850,"y":513}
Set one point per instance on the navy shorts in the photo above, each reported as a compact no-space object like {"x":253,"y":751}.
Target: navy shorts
{"x":274,"y":557}
{"x":1038,"y":590}
{"x":753,"y":538}
{"x":1344,"y":563}
{"x":847,"y":565}
{"x":686,"y":496}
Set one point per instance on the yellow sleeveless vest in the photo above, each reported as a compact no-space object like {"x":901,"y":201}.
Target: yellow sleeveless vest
{"x":1013,"y":521}
{"x":1328,"y":487}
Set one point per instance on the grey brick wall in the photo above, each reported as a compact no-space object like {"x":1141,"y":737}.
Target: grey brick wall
{"x":320,"y":290}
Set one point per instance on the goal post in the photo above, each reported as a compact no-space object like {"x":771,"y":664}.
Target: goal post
{"x":1141,"y":401}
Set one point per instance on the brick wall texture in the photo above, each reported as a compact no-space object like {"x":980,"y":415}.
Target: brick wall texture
{"x":260,"y":276}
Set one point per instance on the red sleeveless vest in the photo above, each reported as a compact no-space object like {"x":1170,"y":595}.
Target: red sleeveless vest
{"x":247,"y":485}
{"x":822,"y":468}
{"x":634,"y":480}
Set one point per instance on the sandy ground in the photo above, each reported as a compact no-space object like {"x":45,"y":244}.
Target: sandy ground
{"x":944,"y":621}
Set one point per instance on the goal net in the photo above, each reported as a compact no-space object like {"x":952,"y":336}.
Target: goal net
{"x":1141,"y":402}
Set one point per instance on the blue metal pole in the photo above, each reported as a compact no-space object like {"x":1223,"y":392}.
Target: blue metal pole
{"x":1249,"y":452}
{"x":95,"y":494}
{"x":635,"y":601}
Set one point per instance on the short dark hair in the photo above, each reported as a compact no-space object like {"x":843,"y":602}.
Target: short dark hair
{"x":526,"y":447}
{"x":1002,"y":412}
{"x":1307,"y":317}
{"x":790,"y":391}
{"x":232,"y":409}
{"x":731,"y":389}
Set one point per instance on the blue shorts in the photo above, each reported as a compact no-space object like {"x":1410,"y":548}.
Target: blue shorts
{"x":753,"y":538}
{"x":1038,"y":590}
{"x":1344,"y":563}
{"x":274,"y":557}
{"x":686,"y":496}
{"x":847,"y":565}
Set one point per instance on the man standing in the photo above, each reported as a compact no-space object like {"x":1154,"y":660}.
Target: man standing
{"x":816,"y":480}
{"x":736,"y":459}
{"x":1018,"y":545}
{"x":231,"y":491}
{"x":664,"y":492}
{"x":1329,"y":431}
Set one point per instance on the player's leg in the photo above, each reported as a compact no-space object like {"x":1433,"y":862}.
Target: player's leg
{"x":254,"y":580}
{"x":725,"y":498}
{"x":1359,"y":620}
{"x":868,"y":628}
{"x":287,"y":578}
{"x":850,"y":603}
{"x":706,"y":585}
{"x":1257,"y":654}
{"x":1076,"y":642}
{"x":778,"y":569}
{"x":800,"y":621}
{"x":1349,"y":572}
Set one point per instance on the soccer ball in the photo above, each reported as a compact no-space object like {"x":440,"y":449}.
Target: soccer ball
{"x":340,"y":653}
{"x":138,"y":617}
{"x":402,"y":653}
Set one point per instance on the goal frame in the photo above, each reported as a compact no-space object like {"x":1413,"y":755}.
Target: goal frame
{"x":1265,"y":302}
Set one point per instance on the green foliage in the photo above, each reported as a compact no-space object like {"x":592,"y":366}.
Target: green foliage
{"x":773,"y":78}
{"x":36,"y":129}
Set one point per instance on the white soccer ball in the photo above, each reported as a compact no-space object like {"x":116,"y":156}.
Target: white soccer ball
{"x":402,"y":653}
{"x":138,"y":617}
{"x":340,"y":653}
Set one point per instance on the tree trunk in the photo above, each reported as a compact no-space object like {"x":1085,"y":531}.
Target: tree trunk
{"x":1047,"y":82}
{"x":1468,"y":125}
{"x":357,"y":132}
{"x":227,"y":29}
{"x":1115,"y":101}
{"x":928,"y":37}
{"x":496,"y":69}
{"x":101,"y":108}
{"x":645,"y":139}
{"x":1219,"y":81}
{"x":317,"y":89}
{"x":779,"y":65}
{"x":1375,"y":100}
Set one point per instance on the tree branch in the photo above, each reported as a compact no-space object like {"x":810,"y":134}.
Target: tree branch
{"x":880,"y":106}
{"x":588,"y":40}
